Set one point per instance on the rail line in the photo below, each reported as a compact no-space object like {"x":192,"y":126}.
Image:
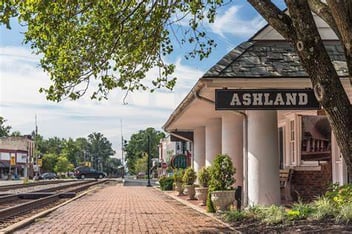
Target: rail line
{"x":48,"y":197}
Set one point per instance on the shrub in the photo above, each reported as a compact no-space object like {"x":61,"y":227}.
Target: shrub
{"x":221,"y":173}
{"x":221,"y":177}
{"x":345,"y":213}
{"x":272,"y":214}
{"x":189,"y":176}
{"x":339,"y":195}
{"x":204,"y":177}
{"x":210,"y":205}
{"x":234,"y":215}
{"x":323,"y":208}
{"x":166,"y":183}
{"x":300,"y":210}
{"x":178,"y":175}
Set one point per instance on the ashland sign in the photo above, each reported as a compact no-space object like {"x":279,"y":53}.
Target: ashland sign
{"x":264,"y":99}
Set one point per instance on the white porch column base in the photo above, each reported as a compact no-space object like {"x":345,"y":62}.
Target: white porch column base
{"x":199,"y":148}
{"x":263,"y":158}
{"x":232,"y":142}
{"x":212,"y":140}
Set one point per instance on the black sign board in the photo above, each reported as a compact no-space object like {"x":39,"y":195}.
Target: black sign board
{"x":265,"y":99}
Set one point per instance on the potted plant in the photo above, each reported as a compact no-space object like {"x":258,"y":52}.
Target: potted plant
{"x":188,"y":179}
{"x":222,"y":178}
{"x":202,"y":191}
{"x":178,"y":179}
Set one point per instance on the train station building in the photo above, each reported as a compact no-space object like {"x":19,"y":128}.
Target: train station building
{"x":256,"y":105}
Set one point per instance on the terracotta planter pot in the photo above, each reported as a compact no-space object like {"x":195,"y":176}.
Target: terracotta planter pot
{"x":222,"y":199}
{"x":202,"y":194}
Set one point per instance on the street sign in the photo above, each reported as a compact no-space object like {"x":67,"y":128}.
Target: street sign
{"x":13,"y":160}
{"x":40,"y":162}
{"x":179,"y":161}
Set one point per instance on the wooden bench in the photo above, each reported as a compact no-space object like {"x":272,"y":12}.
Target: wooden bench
{"x":285,"y":183}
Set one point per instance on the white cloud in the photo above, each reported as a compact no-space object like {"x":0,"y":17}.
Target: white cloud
{"x":20,"y":102}
{"x":230,"y":22}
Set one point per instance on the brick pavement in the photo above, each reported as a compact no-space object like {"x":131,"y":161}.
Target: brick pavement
{"x":120,"y":209}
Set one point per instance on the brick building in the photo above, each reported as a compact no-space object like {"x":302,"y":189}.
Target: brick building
{"x":19,"y":149}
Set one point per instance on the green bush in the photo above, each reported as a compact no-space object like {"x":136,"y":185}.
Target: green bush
{"x":234,"y":215}
{"x":221,"y":173}
{"x":204,"y":177}
{"x":300,"y":210}
{"x":178,"y":175}
{"x":339,"y":195}
{"x":345,"y":213}
{"x":323,"y":208}
{"x":189,"y":176}
{"x":166,"y":183}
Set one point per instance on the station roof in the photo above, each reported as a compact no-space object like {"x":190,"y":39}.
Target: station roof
{"x":272,"y":59}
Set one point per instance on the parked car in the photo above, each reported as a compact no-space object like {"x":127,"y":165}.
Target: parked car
{"x":88,"y":172}
{"x":48,"y":176}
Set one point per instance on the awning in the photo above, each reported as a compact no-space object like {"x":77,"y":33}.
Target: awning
{"x":4,"y":164}
{"x":181,"y":136}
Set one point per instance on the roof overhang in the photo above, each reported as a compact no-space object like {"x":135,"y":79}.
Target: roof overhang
{"x":199,"y":104}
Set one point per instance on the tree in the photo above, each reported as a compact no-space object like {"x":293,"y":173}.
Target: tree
{"x":63,"y":165}
{"x":138,"y":146}
{"x":84,"y":40}
{"x":100,"y":149}
{"x":71,"y":150}
{"x":141,"y":164}
{"x":299,"y":28}
{"x":4,"y":130}
{"x":49,"y":161}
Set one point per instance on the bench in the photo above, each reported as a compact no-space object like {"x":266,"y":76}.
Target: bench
{"x":285,"y":183}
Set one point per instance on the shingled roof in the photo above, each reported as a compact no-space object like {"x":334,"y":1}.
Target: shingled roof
{"x":271,"y":59}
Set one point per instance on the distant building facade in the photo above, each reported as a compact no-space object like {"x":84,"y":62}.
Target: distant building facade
{"x":16,"y":156}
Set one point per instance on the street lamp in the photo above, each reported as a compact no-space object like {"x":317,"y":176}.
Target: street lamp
{"x":148,"y":160}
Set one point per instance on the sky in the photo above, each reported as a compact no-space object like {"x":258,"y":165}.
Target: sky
{"x":23,"y":106}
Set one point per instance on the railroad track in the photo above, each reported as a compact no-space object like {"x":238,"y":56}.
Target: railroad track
{"x":16,"y":196}
{"x":12,"y":187}
{"x":48,"y":198}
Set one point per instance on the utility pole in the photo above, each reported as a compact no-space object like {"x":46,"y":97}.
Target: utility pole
{"x":122,"y":149}
{"x":36,"y":148}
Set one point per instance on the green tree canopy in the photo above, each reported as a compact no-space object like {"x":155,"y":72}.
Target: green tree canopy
{"x":63,"y":165}
{"x":4,"y":130}
{"x":138,"y":146}
{"x":113,"y":42}
{"x":100,"y":149}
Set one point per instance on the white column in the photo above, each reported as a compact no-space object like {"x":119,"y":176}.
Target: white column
{"x":198,"y":148}
{"x":232,"y":142}
{"x":212,"y":140}
{"x":263,"y":158}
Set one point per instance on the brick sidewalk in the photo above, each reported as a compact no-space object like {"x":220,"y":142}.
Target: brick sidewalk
{"x":119,"y":209}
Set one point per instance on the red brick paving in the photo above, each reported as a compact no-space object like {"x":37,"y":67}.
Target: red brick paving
{"x":119,"y":209}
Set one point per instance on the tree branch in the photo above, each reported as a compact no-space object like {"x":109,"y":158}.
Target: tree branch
{"x":324,"y":12}
{"x":341,"y":15}
{"x":275,"y":17}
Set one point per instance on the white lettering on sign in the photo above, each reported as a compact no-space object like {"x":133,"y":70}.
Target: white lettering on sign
{"x":264,"y":99}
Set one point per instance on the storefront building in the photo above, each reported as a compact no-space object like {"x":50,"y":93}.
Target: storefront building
{"x":276,"y":126}
{"x":16,"y":155}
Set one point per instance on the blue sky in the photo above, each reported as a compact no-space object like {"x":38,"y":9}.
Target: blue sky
{"x":21,"y":77}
